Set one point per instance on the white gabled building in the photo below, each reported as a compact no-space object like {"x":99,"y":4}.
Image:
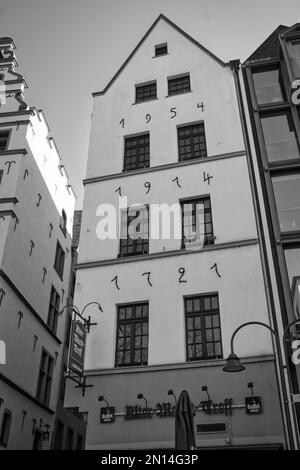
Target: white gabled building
{"x":167,"y":129}
{"x":36,"y":211}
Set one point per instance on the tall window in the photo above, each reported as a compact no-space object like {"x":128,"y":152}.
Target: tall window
{"x":134,"y":234}
{"x":294,"y":53}
{"x":268,"y":85}
{"x":179,"y":85}
{"x":197,"y":227}
{"x":132,"y":335}
{"x":203,"y":330}
{"x":53,"y":310}
{"x":4,"y":135}
{"x":58,"y":437}
{"x":5,"y":428}
{"x":145,"y":92}
{"x":292,"y":259}
{"x":280,"y":138}
{"x":287,"y":196}
{"x":45,"y":379}
{"x":191,"y":141}
{"x":137,"y":152}
{"x":1,"y":175}
{"x":59,"y":260}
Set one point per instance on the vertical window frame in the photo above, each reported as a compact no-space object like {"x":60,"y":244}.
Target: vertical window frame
{"x":191,"y":136}
{"x":209,"y":235}
{"x":124,"y":243}
{"x":132,"y":322}
{"x":141,"y":163}
{"x":202,"y":315}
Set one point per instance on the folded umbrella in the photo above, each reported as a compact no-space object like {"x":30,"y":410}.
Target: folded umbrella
{"x":184,"y":423}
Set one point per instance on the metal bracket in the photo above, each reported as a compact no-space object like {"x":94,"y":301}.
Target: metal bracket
{"x":81,"y":382}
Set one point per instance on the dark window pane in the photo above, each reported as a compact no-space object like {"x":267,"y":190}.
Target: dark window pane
{"x":294,"y":53}
{"x":145,"y":92}
{"x":195,"y":228}
{"x":134,"y":232}
{"x":292,"y":259}
{"x":203,"y":334}
{"x":161,"y":49}
{"x":132,"y":351}
{"x":4,"y":135}
{"x":268,"y":86}
{"x":179,"y":85}
{"x":137,"y":152}
{"x":287,"y":196}
{"x":279,"y":135}
{"x":188,"y":143}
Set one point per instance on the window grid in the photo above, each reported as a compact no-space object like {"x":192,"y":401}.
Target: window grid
{"x":45,"y":379}
{"x":197,"y":212}
{"x":53,"y":310}
{"x":191,"y":142}
{"x":132,"y":335}
{"x":134,"y":246}
{"x":203,"y":329}
{"x":4,"y":135}
{"x":137,"y":152}
{"x":179,"y":85}
{"x":145,"y":92}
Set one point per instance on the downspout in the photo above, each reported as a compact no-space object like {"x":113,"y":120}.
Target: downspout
{"x":285,"y":411}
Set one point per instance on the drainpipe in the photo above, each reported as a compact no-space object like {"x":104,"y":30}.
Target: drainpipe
{"x":284,"y":402}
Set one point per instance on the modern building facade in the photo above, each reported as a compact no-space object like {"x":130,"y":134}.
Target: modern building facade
{"x":167,"y":130}
{"x":36,"y":211}
{"x":270,"y":76}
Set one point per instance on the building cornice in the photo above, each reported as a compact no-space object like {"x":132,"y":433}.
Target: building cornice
{"x":97,"y":179}
{"x":165,"y":254}
{"x":177,"y":366}
{"x":25,"y":394}
{"x":27,"y":304}
{"x":6,"y":200}
{"x":13,"y":152}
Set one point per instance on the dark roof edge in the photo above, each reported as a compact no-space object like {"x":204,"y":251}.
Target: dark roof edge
{"x":186,"y":35}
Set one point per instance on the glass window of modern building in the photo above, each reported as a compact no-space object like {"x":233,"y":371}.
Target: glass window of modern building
{"x":294,"y":53}
{"x":279,"y":135}
{"x":287,"y":196}
{"x":268,"y":85}
{"x":292,"y":259}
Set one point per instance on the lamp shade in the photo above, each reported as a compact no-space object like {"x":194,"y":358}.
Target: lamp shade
{"x":233,"y":364}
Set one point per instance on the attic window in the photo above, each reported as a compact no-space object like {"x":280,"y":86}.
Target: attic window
{"x":161,"y":49}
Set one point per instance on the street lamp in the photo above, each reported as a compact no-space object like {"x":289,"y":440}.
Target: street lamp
{"x":233,"y":364}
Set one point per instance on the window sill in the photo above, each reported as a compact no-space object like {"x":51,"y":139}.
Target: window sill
{"x":160,"y":55}
{"x":178,"y":94}
{"x":144,"y":101}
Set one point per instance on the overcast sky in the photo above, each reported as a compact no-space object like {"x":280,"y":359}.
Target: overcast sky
{"x":69,"y":48}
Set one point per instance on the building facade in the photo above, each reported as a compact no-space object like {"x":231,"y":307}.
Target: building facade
{"x":36,"y":211}
{"x":167,"y":130}
{"x":270,"y":76}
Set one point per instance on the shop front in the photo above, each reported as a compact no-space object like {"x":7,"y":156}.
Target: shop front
{"x":135,"y":408}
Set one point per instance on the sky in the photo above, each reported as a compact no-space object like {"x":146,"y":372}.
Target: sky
{"x":68,"y":49}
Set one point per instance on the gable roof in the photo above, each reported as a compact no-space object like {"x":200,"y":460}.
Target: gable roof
{"x":186,"y":35}
{"x":269,"y":49}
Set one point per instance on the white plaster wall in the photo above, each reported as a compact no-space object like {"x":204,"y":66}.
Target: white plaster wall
{"x":229,"y":190}
{"x":241,"y":298}
{"x":211,"y":84}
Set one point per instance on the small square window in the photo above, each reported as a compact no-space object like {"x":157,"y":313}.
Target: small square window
{"x":179,"y":85}
{"x":161,"y":49}
{"x":145,"y":92}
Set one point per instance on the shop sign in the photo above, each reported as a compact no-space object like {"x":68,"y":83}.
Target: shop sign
{"x":163,"y":410}
{"x":295,"y":92}
{"x":107,"y":414}
{"x":77,"y":349}
{"x":210,"y":407}
{"x":253,"y":405}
